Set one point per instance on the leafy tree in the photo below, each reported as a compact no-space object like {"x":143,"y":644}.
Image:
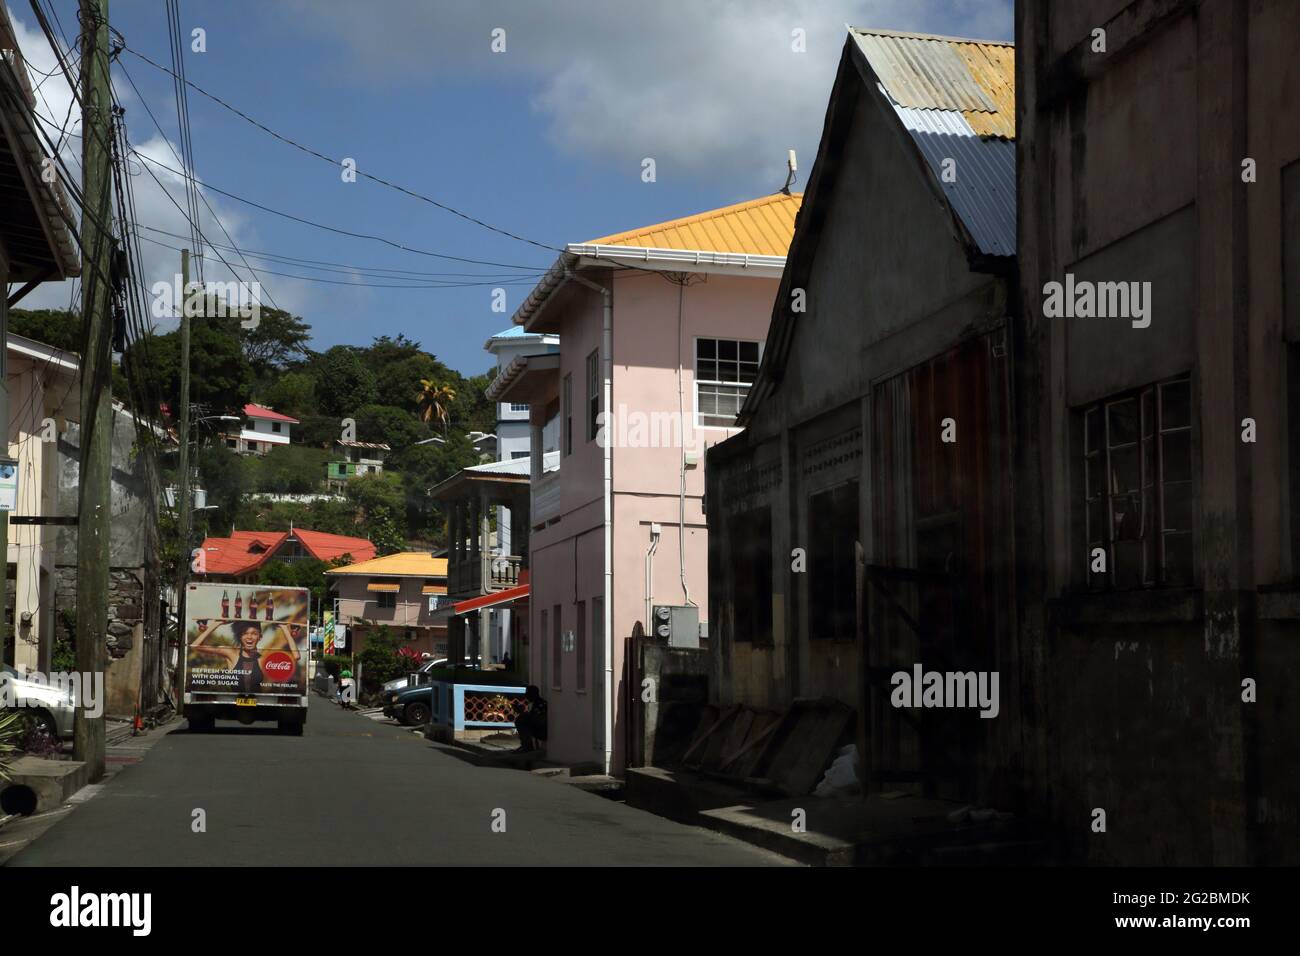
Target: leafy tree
{"x":395,"y":427}
{"x":385,"y":352}
{"x":380,"y":660}
{"x":292,"y":393}
{"x":471,"y":410}
{"x":56,"y":327}
{"x":332,"y":517}
{"x":382,"y":500}
{"x":344,"y":383}
{"x":424,"y":466}
{"x":277,"y":339}
{"x":222,"y":476}
{"x":220,"y":377}
{"x":306,"y":573}
{"x":399,"y":382}
{"x":288,"y":469}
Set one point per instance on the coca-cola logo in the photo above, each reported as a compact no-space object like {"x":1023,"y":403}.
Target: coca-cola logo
{"x":278,"y":666}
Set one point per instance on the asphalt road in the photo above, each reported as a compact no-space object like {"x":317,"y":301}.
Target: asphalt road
{"x":354,"y":791}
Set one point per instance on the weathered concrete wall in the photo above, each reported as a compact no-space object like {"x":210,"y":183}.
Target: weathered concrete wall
{"x":682,"y":680}
{"x":1131,"y":168}
{"x":130,"y":495}
{"x":135,"y":622}
{"x":126,"y":632}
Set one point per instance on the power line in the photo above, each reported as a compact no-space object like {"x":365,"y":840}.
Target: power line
{"x":349,"y":268}
{"x":336,"y":163}
{"x":409,"y":284}
{"x":216,"y":218}
{"x":335,"y":229}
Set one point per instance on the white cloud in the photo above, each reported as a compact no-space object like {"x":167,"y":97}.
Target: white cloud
{"x":711,"y":90}
{"x":54,"y":102}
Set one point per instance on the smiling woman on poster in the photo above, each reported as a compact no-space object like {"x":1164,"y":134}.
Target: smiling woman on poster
{"x":246,"y":657}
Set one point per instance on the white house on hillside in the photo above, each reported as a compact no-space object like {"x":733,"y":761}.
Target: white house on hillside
{"x":262,"y":429}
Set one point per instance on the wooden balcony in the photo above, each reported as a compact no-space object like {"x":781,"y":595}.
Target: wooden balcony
{"x":483,"y":573}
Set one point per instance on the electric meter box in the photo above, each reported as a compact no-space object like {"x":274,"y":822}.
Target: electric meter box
{"x":677,"y":624}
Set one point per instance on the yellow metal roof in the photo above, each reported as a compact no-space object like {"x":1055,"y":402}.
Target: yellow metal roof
{"x":411,"y":564}
{"x":759,"y":227}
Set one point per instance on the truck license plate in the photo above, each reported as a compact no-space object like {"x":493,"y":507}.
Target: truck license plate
{"x":245,"y":701}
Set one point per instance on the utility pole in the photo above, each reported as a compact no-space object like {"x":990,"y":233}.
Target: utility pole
{"x":183,"y":502}
{"x":94,"y":496}
{"x":4,"y":433}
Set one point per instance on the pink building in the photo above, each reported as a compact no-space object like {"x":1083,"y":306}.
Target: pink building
{"x":661,"y":332}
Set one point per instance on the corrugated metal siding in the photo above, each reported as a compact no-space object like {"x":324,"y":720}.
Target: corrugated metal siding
{"x":957,"y":99}
{"x":762,"y":227}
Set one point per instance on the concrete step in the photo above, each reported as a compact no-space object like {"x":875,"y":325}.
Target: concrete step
{"x":52,"y":781}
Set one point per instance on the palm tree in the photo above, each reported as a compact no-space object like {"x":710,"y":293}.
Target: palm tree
{"x":434,"y":400}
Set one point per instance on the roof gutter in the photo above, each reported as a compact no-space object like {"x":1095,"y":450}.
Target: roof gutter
{"x":579,"y":254}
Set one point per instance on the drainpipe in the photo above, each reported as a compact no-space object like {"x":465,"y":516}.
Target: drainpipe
{"x":655,"y":531}
{"x":607,"y":373}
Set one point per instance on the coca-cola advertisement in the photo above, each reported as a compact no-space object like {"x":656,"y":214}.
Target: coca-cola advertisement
{"x":246,"y":640}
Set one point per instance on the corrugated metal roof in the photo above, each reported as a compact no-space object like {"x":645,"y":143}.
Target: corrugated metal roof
{"x":761,"y":227}
{"x":957,"y":100}
{"x":983,"y":187}
{"x":923,"y":72}
{"x":994,"y":67}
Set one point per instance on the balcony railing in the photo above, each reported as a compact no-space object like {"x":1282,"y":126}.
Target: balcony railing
{"x":483,"y":573}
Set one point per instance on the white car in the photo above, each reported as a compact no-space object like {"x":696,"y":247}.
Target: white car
{"x":401,"y":683}
{"x":54,"y":710}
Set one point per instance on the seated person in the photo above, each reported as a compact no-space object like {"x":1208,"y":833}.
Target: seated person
{"x":530,"y":720}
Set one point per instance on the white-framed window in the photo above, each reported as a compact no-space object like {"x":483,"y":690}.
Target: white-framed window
{"x":275,"y":427}
{"x":724,"y":371}
{"x":519,"y":407}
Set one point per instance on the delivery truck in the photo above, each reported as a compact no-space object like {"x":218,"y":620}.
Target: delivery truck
{"x":245,"y":655}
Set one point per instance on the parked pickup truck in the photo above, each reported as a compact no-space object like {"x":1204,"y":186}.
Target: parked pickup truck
{"x":246,"y":652}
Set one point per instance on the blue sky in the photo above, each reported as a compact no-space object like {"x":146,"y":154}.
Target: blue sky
{"x":545,"y":139}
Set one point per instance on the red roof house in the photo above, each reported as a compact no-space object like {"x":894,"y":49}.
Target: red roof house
{"x":240,"y":555}
{"x":270,"y":415}
{"x":261,"y":430}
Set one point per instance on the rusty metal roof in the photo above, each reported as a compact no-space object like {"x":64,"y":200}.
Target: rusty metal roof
{"x":760,"y":227}
{"x":957,"y":100}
